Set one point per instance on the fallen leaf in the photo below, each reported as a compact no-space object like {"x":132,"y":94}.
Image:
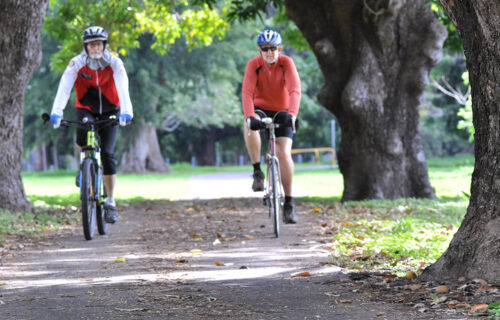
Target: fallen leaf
{"x":414,"y":287}
{"x":479,"y":307}
{"x":481,"y":281}
{"x":380,"y":314}
{"x":218,"y":235}
{"x":218,"y":264}
{"x":315,"y":210}
{"x":243,"y":267}
{"x":462,"y":306}
{"x":411,"y":275}
{"x":250,"y":238}
{"x":196,"y":251}
{"x":119,"y":260}
{"x":324,"y":224}
{"x":442,"y":289}
{"x":345,"y":300}
{"x":485,"y":287}
{"x":195,"y":235}
{"x":462,"y":279}
{"x":198,"y":239}
{"x":302,"y":274}
{"x":182,"y":261}
{"x":331,"y":294}
{"x":2,"y":283}
{"x":389,"y":276}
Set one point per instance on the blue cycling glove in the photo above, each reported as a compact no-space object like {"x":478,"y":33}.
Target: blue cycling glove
{"x":125,"y":119}
{"x":55,"y":119}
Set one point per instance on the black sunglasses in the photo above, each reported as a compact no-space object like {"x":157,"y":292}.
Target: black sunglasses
{"x":266,"y":49}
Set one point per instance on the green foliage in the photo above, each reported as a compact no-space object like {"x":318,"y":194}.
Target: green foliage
{"x":494,"y":308}
{"x":126,"y":20}
{"x":466,"y":112}
{"x":244,"y":10}
{"x":453,"y":41}
{"x":439,"y":112}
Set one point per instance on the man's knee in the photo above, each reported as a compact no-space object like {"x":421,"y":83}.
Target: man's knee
{"x":108,"y":163}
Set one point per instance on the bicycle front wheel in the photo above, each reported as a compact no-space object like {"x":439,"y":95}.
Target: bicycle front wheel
{"x":102,"y":225}
{"x":275,"y":196}
{"x":88,"y":190}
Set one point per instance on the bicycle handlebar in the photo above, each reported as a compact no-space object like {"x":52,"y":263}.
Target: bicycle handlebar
{"x":85,"y":123}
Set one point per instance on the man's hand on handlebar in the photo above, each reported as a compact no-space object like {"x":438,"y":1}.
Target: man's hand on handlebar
{"x":125,"y":119}
{"x":55,"y":119}
{"x":255,"y":124}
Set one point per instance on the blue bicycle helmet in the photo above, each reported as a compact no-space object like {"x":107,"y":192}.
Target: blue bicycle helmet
{"x":269,"y":37}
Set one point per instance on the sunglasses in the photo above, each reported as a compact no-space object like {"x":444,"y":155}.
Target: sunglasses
{"x":266,"y":49}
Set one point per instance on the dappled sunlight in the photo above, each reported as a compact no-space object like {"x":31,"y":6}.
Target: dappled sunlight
{"x":247,"y":262}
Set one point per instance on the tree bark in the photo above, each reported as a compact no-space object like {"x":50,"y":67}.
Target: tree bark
{"x":474,"y":251}
{"x":144,"y":155}
{"x":20,"y":54}
{"x":376,"y":57}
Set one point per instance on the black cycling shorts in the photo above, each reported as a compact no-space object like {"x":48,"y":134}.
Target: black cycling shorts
{"x":285,"y":131}
{"x":106,"y":137}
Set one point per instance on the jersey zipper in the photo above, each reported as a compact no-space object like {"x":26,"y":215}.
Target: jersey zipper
{"x":99,"y":88}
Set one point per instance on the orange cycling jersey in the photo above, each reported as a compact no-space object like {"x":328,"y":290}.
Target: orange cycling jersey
{"x":273,"y":88}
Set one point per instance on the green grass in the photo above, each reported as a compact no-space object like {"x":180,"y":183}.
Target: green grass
{"x":30,"y":223}
{"x":401,"y":235}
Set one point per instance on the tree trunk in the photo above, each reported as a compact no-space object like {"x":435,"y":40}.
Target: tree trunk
{"x":144,"y":154}
{"x":205,"y":150}
{"x":20,"y":54}
{"x":376,"y":57}
{"x":474,"y":251}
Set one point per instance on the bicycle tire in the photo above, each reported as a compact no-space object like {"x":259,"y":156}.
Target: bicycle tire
{"x":275,"y":201}
{"x":102,"y":225}
{"x":87,"y":192}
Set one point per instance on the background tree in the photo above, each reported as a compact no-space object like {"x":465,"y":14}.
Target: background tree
{"x":125,"y":22}
{"x":375,"y":56}
{"x":20,"y":22}
{"x":474,"y":251}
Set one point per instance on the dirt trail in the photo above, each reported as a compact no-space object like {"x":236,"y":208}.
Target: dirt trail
{"x":200,"y":259}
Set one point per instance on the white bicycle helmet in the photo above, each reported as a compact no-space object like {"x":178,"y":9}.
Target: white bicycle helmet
{"x":269,"y":37}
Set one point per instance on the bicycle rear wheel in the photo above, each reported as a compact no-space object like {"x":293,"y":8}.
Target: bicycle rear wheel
{"x":275,"y":196}
{"x":88,"y":190}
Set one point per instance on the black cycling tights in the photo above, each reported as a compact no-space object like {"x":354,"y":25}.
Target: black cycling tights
{"x":107,"y":139}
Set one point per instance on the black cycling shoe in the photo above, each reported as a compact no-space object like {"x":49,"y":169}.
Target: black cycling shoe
{"x":110,"y":214}
{"x":77,"y":181}
{"x":258,"y":181}
{"x":289,"y":215}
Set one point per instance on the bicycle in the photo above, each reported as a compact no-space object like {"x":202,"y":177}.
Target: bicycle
{"x":92,"y":191}
{"x":274,"y":194}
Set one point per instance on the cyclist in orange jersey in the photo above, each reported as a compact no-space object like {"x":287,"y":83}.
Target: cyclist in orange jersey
{"x":271,"y":84}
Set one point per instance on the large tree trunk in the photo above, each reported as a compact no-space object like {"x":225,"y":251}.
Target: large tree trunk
{"x":474,"y":251}
{"x":205,"y":149}
{"x":144,"y":154}
{"x":20,"y":54}
{"x":376,"y":59}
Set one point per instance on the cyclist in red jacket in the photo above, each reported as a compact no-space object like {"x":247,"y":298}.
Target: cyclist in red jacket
{"x":101,"y":86}
{"x":271,"y":83}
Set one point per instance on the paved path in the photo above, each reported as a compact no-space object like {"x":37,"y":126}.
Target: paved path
{"x":226,"y":185}
{"x":214,"y":259}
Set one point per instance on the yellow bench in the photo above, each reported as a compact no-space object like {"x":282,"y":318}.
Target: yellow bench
{"x":316,"y":152}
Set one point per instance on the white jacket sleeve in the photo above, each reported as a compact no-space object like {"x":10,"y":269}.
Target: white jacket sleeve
{"x":65,"y":85}
{"x":121,"y":83}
